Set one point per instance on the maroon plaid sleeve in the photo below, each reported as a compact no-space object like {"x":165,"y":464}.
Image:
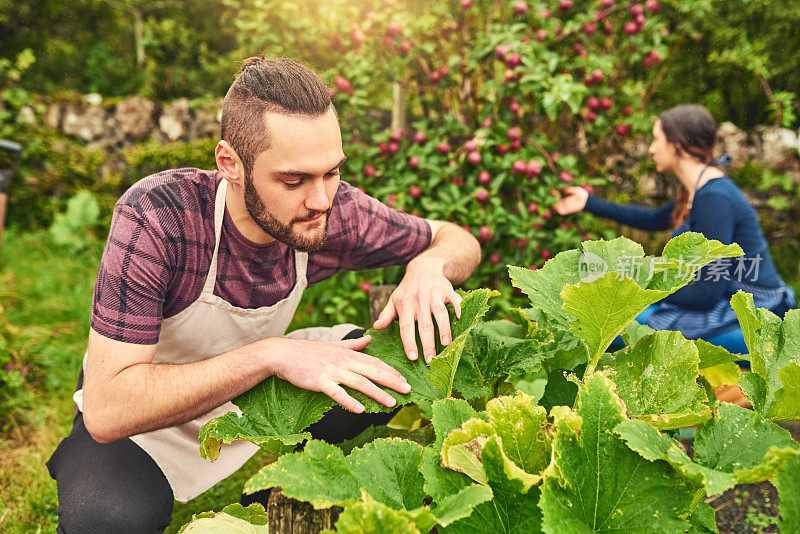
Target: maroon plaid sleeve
{"x":132,"y":280}
{"x":364,"y":233}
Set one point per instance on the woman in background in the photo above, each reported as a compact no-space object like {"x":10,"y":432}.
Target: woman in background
{"x":710,"y":203}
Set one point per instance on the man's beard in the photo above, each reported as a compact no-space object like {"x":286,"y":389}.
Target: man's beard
{"x":282,"y":232}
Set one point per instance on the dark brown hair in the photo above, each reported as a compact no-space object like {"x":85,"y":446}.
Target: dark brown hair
{"x":694,"y":130}
{"x":277,"y":85}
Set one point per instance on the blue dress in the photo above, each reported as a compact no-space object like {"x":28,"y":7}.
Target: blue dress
{"x":702,"y":309}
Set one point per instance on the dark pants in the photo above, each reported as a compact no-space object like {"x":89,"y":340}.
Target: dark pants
{"x":117,"y":487}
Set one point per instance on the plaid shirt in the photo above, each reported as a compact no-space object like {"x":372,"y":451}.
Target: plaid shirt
{"x":159,"y":250}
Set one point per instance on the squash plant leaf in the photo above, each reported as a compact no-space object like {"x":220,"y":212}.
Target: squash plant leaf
{"x":774,"y":347}
{"x":788,"y":483}
{"x":736,"y":447}
{"x":275,"y":414}
{"x":449,"y":414}
{"x":513,"y":508}
{"x":233,"y":519}
{"x":606,"y":486}
{"x":657,"y":381}
{"x":371,"y":516}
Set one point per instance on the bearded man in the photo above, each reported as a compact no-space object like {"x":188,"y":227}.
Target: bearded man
{"x":201,"y":276}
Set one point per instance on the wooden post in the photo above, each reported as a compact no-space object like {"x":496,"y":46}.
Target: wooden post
{"x":289,"y":516}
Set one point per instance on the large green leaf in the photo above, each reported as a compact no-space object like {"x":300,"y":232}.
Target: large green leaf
{"x":275,"y":414}
{"x":318,"y":475}
{"x":513,"y":508}
{"x":736,"y":447}
{"x":440,"y":482}
{"x":788,"y":483}
{"x":233,"y":519}
{"x":657,"y":380}
{"x":774,"y":346}
{"x":598,"y":293}
{"x":449,"y":414}
{"x":371,"y":517}
{"x":606,"y":486}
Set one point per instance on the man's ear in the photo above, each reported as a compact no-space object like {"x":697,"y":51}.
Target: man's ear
{"x":228,"y":162}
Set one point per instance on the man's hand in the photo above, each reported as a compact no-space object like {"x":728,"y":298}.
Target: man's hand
{"x":424,"y":291}
{"x":327,"y":366}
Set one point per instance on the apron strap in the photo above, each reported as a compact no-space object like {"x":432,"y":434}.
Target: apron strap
{"x":300,"y":266}
{"x":219,"y":214}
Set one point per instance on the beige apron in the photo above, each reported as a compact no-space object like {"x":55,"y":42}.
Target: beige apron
{"x":208,"y":327}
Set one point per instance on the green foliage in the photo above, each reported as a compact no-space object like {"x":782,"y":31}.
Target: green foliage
{"x":233,"y":519}
{"x":74,"y":229}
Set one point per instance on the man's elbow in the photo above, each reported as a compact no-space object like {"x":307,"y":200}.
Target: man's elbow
{"x":99,"y":426}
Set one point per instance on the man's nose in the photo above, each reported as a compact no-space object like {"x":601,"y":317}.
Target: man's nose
{"x":317,"y":197}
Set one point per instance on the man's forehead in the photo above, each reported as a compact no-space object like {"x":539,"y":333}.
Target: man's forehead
{"x":302,"y":142}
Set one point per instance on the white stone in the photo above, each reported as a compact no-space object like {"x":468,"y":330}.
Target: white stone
{"x":93,"y":99}
{"x":26,"y":115}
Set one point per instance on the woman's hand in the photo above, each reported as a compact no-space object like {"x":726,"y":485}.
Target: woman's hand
{"x":574,"y":202}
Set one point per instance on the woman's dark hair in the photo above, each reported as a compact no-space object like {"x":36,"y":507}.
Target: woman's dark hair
{"x":692,"y":128}
{"x":277,"y":85}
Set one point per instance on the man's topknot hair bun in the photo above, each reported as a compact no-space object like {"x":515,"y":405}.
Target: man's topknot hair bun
{"x":249,"y":62}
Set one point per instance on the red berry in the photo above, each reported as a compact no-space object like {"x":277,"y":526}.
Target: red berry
{"x":556,"y":156}
{"x":520,"y":8}
{"x":514,"y":134}
{"x":546,"y":255}
{"x":546,"y":215}
{"x":394,"y":28}
{"x":396,"y":134}
{"x":564,"y":5}
{"x":413,"y":161}
{"x":358,"y":36}
{"x":515,"y":145}
{"x":466,"y":4}
{"x":588,"y":187}
{"x":627,"y":111}
{"x":487,"y":122}
{"x":365,"y":286}
{"x":443,"y":147}
{"x":514,"y":107}
{"x":484,"y":178}
{"x":457,"y":181}
{"x":471,"y":145}
{"x":566,"y":177}
{"x":393,"y":147}
{"x":593,"y":102}
{"x":414,"y":191}
{"x":653,"y":6}
{"x":541,"y":36}
{"x":482,"y":195}
{"x":519,"y":167}
{"x":546,"y":13}
{"x":605,"y":4}
{"x":606,"y":103}
{"x":502,"y":148}
{"x":383,"y":147}
{"x":623,"y":129}
{"x":474,"y":157}
{"x":369,"y":171}
{"x":537,"y":226}
{"x":513,"y":60}
{"x":434,"y":77}
{"x":631,"y":27}
{"x":636,"y":10}
{"x":533,"y":207}
{"x":420,"y":137}
{"x":405,"y":47}
{"x":590,"y":28}
{"x":598,"y":75}
{"x":599,"y":16}
{"x":342,"y":84}
{"x":495,"y":258}
{"x":500,"y":51}
{"x":509,"y":75}
{"x":533,"y":168}
{"x":485,"y":234}
{"x":591,"y":116}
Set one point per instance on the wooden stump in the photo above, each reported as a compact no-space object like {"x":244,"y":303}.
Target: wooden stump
{"x":378,"y":298}
{"x":289,"y":516}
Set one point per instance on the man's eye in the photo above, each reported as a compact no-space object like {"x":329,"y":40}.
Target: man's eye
{"x":334,"y":173}
{"x":292,"y":185}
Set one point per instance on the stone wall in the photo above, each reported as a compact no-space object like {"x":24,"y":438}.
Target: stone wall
{"x":120,"y":122}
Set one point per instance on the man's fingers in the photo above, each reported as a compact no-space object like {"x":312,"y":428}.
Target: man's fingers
{"x":338,"y":394}
{"x":407,"y":331}
{"x":426,"y":333}
{"x":386,"y":316}
{"x":357,"y":343}
{"x":379,"y":372}
{"x":443,"y":320}
{"x":365,"y":386}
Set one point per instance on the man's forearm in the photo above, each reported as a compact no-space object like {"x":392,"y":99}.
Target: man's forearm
{"x":146,"y":396}
{"x":455,"y":249}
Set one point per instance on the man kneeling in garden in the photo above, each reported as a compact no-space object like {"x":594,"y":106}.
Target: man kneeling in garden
{"x":201,"y":275}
